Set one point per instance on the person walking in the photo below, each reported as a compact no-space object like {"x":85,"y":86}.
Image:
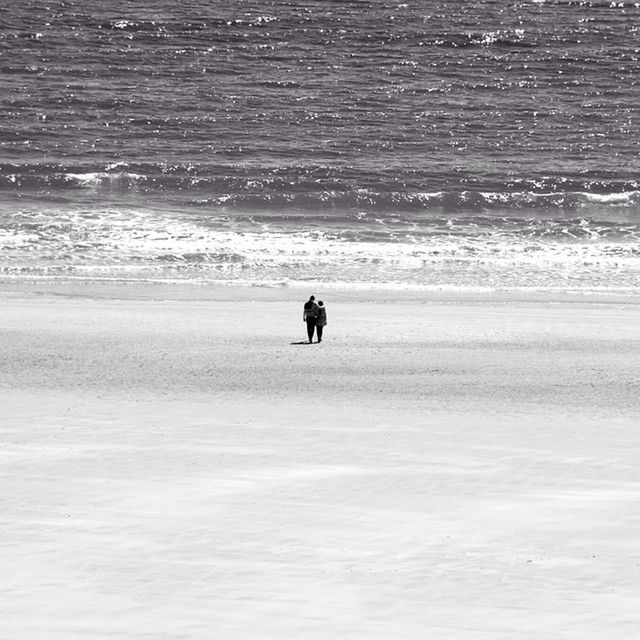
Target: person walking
{"x":310,"y":316}
{"x":321,"y":322}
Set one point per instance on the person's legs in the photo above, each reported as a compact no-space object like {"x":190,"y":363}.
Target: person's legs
{"x":311,"y":325}
{"x":319,"y":330}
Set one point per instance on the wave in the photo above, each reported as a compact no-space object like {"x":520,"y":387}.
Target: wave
{"x":198,"y":245}
{"x":439,"y":202}
{"x":273,"y":192}
{"x":596,"y":4}
{"x":499,"y":38}
{"x":323,"y":189}
{"x":155,"y":26}
{"x":188,"y":254}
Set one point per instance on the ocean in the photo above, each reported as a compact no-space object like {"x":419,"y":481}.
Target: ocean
{"x":478,"y":145}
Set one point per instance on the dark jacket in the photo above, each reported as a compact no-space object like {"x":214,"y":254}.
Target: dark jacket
{"x":310,"y":311}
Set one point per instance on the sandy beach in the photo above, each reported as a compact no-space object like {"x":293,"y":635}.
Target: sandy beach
{"x":174,"y":465}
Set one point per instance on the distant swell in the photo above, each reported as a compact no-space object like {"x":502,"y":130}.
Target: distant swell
{"x":515,"y":38}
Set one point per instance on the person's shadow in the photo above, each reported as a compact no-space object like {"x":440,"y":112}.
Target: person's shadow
{"x":302,"y":342}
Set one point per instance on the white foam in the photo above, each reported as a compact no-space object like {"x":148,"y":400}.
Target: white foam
{"x":13,"y":239}
{"x":612,"y":198}
{"x":98,"y":178}
{"x":148,"y":244}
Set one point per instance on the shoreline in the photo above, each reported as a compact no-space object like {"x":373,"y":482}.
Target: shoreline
{"x":371,"y":292}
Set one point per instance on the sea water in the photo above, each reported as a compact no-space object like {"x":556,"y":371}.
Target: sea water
{"x":481,"y":144}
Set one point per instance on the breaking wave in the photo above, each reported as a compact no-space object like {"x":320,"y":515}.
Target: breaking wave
{"x":322,"y":189}
{"x":468,"y":250}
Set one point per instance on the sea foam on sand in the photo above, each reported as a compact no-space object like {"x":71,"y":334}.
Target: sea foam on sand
{"x":174,"y":467}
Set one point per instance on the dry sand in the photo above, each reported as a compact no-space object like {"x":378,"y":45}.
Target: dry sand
{"x":173,"y":467}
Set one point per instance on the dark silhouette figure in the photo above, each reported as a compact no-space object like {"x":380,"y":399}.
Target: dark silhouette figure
{"x":310,"y":316}
{"x":321,"y":321}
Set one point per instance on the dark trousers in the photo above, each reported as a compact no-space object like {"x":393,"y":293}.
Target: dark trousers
{"x":319,"y":329}
{"x":311,"y":326}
